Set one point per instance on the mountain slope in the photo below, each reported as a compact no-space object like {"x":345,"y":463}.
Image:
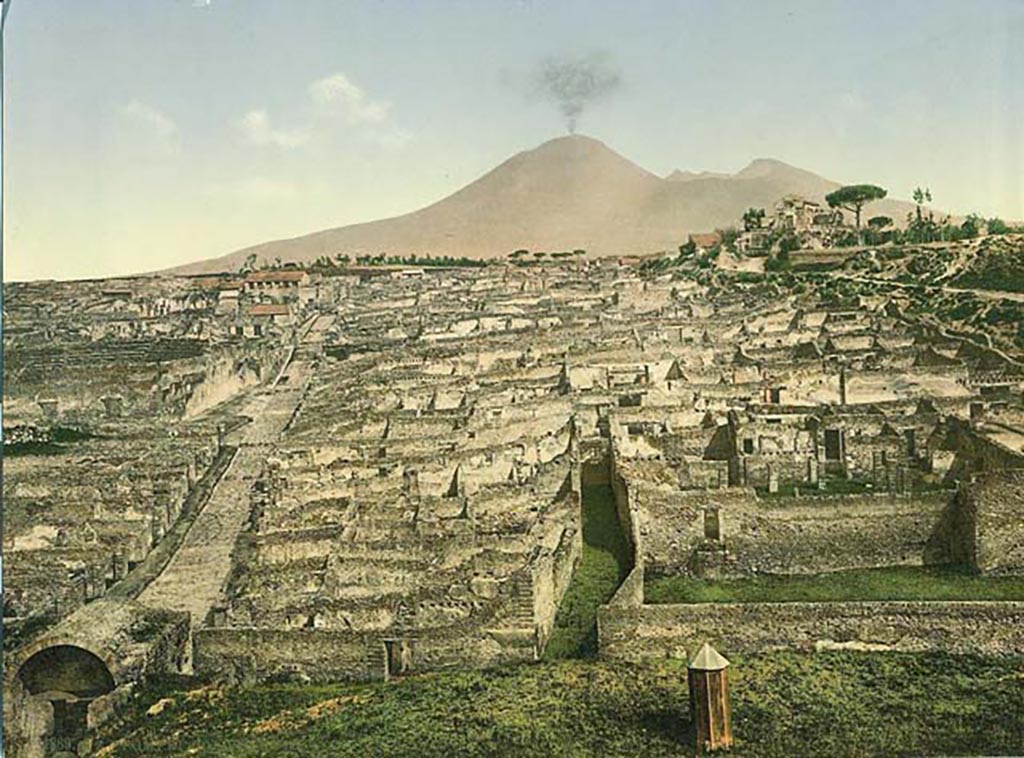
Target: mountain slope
{"x":571,"y":192}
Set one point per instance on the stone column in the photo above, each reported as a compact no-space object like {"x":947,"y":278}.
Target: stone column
{"x":157,"y":530}
{"x":812,"y":471}
{"x":120,"y":565}
{"x":49,"y":407}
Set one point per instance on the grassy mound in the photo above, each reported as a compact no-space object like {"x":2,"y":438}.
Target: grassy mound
{"x":895,"y":583}
{"x":784,"y":704}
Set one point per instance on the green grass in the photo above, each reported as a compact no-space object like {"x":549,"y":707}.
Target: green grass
{"x":605,"y":562}
{"x":1002,"y":271}
{"x":783,"y":704}
{"x":895,"y":583}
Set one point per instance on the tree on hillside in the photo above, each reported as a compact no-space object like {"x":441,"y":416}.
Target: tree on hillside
{"x":728,"y":237}
{"x":752,"y":218}
{"x":854,"y":197}
{"x":997,"y":226}
{"x":250,"y":264}
{"x":922,"y":227}
{"x":921,"y":196}
{"x":972,"y":226}
{"x":879,"y":222}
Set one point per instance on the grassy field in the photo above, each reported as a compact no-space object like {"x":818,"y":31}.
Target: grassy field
{"x":604,"y":564}
{"x":896,"y":583}
{"x":784,"y":704}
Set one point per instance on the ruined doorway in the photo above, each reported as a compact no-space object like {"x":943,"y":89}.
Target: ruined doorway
{"x":70,"y":723}
{"x":833,"y":445}
{"x":712,"y":525}
{"x":397,"y":657}
{"x":911,"y":439}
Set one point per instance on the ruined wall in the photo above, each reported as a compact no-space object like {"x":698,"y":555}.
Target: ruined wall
{"x":788,"y":468}
{"x":624,"y":509}
{"x":473,"y":649}
{"x":167,"y":635}
{"x":635,"y":633}
{"x":251,"y":655}
{"x":224,"y":376}
{"x":595,"y":473}
{"x":796,"y":535}
{"x":631,"y":592}
{"x":133,"y":642}
{"x":701,"y":474}
{"x":552,"y":574}
{"x":994,"y":517}
{"x":975,"y":454}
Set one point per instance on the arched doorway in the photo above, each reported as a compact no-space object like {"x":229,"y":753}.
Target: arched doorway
{"x":69,"y":678}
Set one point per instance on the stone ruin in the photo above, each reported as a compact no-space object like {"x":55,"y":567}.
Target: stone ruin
{"x":359,"y":476}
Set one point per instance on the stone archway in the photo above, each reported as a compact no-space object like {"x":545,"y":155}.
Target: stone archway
{"x":66,"y":668}
{"x":60,"y":682}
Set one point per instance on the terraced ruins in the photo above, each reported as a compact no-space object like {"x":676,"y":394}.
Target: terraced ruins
{"x":370,"y":472}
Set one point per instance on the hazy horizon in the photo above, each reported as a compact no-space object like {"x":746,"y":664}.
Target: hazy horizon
{"x":192,"y":128}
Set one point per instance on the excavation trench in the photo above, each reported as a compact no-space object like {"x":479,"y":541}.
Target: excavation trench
{"x":606,"y":560}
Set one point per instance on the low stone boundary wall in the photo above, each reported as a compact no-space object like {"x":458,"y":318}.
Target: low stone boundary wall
{"x":805,"y":535}
{"x":644,"y":631}
{"x":245,"y":655}
{"x":251,"y":655}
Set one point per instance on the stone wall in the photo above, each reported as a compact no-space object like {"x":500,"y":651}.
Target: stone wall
{"x":132,"y":641}
{"x":975,"y":453}
{"x":994,"y":520}
{"x":250,"y":655}
{"x":551,"y":574}
{"x":629,"y":520}
{"x":631,"y":592}
{"x":804,"y":535}
{"x":637,"y":632}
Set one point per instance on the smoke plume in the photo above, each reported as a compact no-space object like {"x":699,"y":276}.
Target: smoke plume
{"x":574,"y":83}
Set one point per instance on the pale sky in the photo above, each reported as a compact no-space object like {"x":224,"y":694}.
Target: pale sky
{"x":143,"y":134}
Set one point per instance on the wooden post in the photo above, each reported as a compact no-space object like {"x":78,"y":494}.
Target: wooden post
{"x":709,"y":701}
